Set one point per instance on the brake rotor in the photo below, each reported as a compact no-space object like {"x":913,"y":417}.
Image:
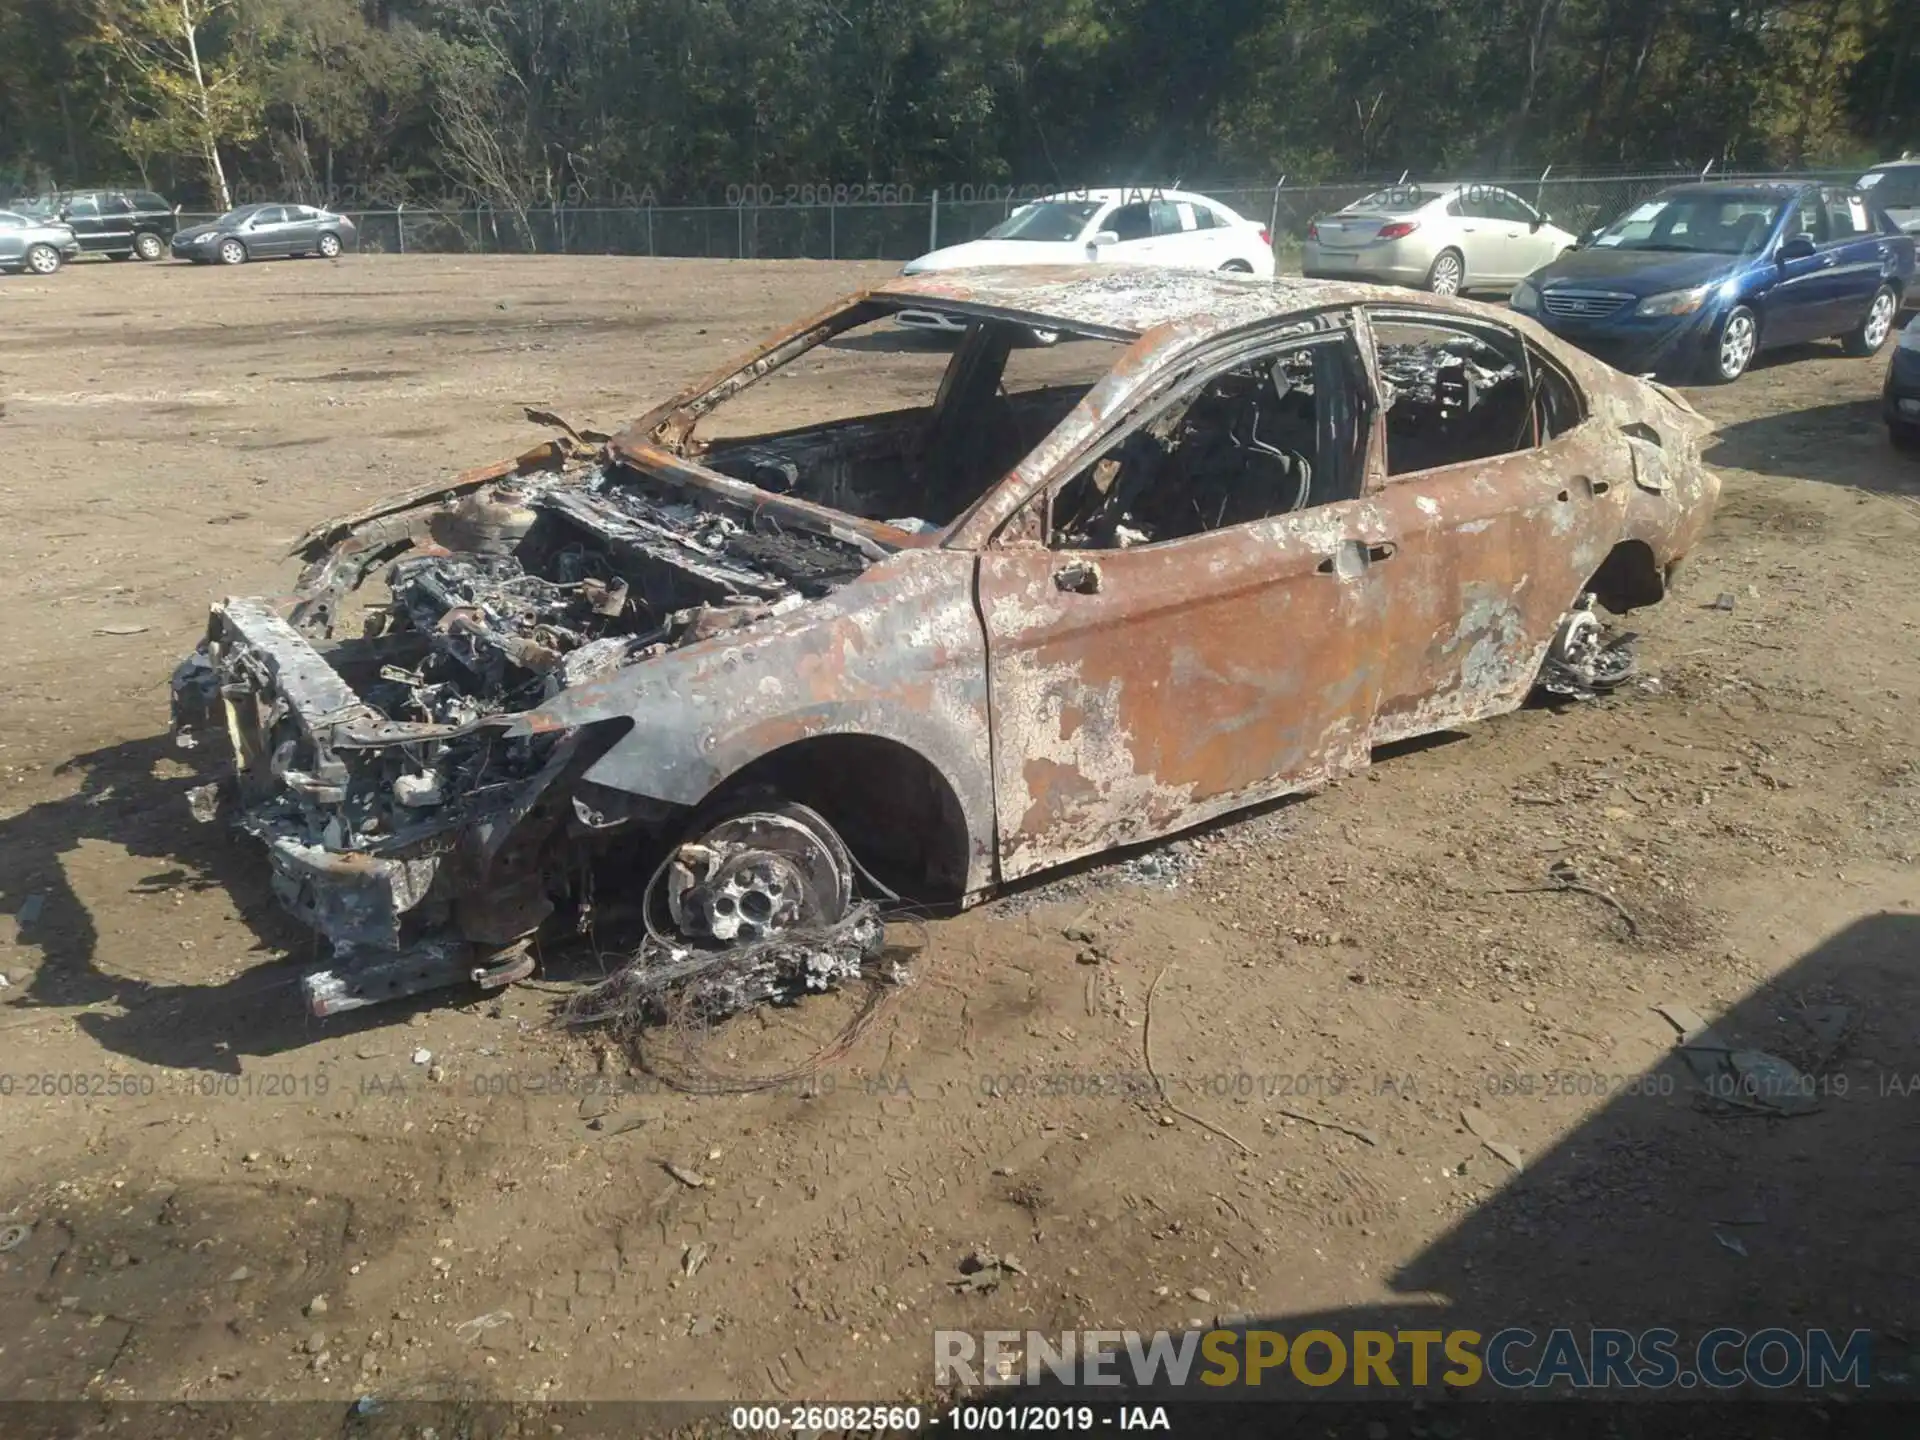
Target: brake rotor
{"x":1582,"y":661}
{"x":756,"y":874}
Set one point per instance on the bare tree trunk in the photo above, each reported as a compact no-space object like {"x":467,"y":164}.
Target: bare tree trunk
{"x":66,"y":125}
{"x":1597,"y":96}
{"x":1815,"y":81}
{"x":1652,"y":18}
{"x":209,"y":146}
{"x":1896,"y":66}
{"x":1536,"y":53}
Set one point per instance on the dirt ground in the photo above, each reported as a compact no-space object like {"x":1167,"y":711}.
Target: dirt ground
{"x":1331,"y":981}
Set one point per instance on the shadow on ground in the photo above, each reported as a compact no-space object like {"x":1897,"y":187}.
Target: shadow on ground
{"x":134,"y":796}
{"x":1687,"y":1205}
{"x":1843,"y":444}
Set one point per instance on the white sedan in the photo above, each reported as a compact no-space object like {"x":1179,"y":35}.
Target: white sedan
{"x":1121,"y":226}
{"x":1443,"y":238}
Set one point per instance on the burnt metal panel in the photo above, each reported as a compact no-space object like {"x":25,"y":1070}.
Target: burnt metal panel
{"x":1190,"y":678}
{"x":896,"y":654}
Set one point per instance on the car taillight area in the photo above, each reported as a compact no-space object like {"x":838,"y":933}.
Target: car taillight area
{"x":1397,"y":229}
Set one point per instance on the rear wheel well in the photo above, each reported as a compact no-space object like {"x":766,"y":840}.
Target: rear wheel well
{"x":1628,"y":578}
{"x":893,"y":807}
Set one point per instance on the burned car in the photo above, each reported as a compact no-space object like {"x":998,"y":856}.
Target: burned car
{"x":936,"y":649}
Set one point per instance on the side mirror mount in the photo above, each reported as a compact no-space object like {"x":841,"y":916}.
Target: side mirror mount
{"x":1587,"y":237}
{"x":1540,"y":219}
{"x":1795,"y":247}
{"x":1104,"y":237}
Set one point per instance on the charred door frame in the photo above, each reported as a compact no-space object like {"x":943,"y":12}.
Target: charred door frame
{"x":1262,"y":680}
{"x":1495,"y":549}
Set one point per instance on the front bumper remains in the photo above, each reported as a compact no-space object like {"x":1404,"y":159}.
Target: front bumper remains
{"x":406,"y":906}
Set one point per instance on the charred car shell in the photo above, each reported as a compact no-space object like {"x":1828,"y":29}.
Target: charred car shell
{"x":1293,"y":521}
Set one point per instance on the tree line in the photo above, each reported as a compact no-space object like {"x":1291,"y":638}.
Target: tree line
{"x":521,"y":104}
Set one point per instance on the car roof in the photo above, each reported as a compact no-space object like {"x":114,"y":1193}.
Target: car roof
{"x":1776,"y":189}
{"x":1126,"y":301}
{"x":1127,"y":193}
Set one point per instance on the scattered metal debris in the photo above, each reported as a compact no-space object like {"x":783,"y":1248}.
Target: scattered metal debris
{"x":692,"y":1179}
{"x":611,"y":1125}
{"x":1750,"y":1081}
{"x":1481,"y":1126}
{"x":1582,"y":661}
{"x":982,"y":1270}
{"x":30,"y":909}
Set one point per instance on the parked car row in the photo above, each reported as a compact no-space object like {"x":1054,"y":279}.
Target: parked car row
{"x":1690,"y":284}
{"x":42,"y":233}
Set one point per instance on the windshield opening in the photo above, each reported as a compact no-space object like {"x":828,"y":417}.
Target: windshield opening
{"x":891,"y":424}
{"x":1054,"y":220}
{"x":1695,"y":224}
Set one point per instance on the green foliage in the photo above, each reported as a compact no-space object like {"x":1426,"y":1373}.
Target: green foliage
{"x":522,"y":103}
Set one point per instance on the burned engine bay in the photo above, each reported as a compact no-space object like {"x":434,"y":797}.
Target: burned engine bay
{"x":403,"y":822}
{"x":561,"y":584}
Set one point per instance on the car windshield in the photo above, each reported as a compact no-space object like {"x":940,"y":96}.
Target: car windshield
{"x":1394,"y":200}
{"x":37,"y":205}
{"x":1045,"y":220}
{"x":1697,"y":224}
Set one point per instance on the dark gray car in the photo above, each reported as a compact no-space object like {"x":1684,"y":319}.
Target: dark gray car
{"x":28,"y":242}
{"x":260,"y":232}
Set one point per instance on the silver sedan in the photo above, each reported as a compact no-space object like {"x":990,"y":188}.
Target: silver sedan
{"x":1444,"y":238}
{"x":28,"y":242}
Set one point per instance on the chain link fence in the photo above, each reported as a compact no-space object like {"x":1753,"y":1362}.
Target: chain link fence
{"x":902,"y":230}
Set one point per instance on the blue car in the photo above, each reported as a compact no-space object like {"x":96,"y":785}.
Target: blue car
{"x":1693,"y":283}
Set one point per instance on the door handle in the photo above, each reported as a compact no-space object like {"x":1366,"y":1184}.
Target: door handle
{"x":1080,"y":577}
{"x":1354,"y":556}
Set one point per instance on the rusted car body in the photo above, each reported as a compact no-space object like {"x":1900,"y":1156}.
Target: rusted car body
{"x":1294,"y":521}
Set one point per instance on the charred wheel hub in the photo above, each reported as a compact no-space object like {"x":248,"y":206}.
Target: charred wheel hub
{"x":759,"y":873}
{"x":1584,"y":660}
